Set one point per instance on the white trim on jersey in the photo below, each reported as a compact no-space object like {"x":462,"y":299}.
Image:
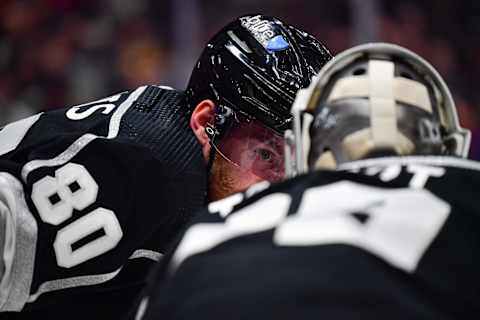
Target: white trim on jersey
{"x":90,"y":279}
{"x":12,"y":134}
{"x":62,"y":158}
{"x":148,"y":254}
{"x":19,"y":244}
{"x":114,"y":126}
{"x":83,"y":141}
{"x":66,"y":283}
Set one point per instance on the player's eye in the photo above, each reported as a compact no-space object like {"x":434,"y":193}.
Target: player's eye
{"x":264,"y":154}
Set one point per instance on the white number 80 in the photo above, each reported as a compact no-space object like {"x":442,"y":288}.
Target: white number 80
{"x":55,"y":198}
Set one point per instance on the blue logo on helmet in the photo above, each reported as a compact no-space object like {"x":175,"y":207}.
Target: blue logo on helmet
{"x":277,"y":43}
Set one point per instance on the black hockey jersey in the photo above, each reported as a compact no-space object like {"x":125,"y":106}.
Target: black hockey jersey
{"x":391,"y":238}
{"x":90,"y":197}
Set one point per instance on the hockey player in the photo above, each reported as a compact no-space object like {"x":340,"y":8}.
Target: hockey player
{"x":91,"y":195}
{"x":392,"y":233}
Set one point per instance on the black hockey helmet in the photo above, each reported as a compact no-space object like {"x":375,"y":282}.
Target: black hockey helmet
{"x":373,"y":100}
{"x":254,"y":66}
{"x":252,"y":70}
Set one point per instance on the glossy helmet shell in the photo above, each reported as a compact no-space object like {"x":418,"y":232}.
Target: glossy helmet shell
{"x":254,"y":66}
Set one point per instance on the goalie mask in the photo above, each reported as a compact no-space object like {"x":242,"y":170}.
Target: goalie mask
{"x":374,"y":100}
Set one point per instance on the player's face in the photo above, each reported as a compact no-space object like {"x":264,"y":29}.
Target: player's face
{"x":247,"y":154}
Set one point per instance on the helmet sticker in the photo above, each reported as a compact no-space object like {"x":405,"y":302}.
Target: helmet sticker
{"x":277,"y":43}
{"x":263,"y":31}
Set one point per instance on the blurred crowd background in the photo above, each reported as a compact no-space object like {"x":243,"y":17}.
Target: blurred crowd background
{"x":56,"y":53}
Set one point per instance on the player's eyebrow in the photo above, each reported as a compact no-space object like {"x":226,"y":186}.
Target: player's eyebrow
{"x":273,"y":142}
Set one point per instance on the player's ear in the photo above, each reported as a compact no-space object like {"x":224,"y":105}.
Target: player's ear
{"x":202,"y":115}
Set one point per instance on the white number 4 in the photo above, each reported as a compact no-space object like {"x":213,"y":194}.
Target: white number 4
{"x":397,"y":225}
{"x":55,"y":198}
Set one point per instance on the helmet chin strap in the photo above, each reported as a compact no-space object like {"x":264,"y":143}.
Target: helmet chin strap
{"x":211,"y":133}
{"x":222,"y":115}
